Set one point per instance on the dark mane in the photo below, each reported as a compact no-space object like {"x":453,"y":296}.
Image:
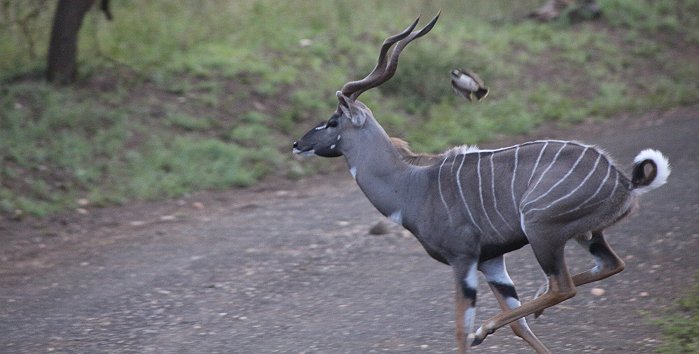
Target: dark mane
{"x":413,"y":158}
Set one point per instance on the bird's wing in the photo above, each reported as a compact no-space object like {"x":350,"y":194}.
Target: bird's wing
{"x":463,"y":93}
{"x":475,"y":77}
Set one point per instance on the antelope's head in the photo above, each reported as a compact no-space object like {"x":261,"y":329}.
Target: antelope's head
{"x":352,"y":117}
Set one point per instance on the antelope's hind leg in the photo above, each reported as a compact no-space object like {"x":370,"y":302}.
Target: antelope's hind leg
{"x":549,"y":252}
{"x":607,"y":262}
{"x":503,"y":288}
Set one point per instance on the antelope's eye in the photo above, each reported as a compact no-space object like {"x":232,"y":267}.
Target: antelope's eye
{"x":332,"y":123}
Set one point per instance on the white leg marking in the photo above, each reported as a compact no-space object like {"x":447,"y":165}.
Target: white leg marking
{"x":492,"y":189}
{"x":513,"y":303}
{"x":472,"y":277}
{"x":480,"y":194}
{"x":543,"y":289}
{"x":555,"y":158}
{"x":469,"y":319}
{"x":439,"y":187}
{"x":560,"y":180}
{"x":479,"y":332}
{"x":471,"y":282}
{"x":574,"y":190}
{"x":495,"y":271}
{"x":461,"y":192}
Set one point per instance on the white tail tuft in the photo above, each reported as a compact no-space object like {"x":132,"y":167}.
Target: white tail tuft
{"x":663,"y":169}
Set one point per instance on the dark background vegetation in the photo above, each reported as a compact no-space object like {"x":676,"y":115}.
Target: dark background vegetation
{"x":175,"y":96}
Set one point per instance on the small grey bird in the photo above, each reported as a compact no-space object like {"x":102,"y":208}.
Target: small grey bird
{"x":467,"y":84}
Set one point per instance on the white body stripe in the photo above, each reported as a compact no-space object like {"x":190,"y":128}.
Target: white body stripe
{"x":606,"y":177}
{"x":514,"y":176}
{"x":439,"y":187}
{"x":536,"y":164}
{"x":480,"y":194}
{"x":492,"y":190}
{"x":594,"y":168}
{"x":555,"y":158}
{"x":461,"y":192}
{"x":560,"y":180}
{"x":616,"y":183}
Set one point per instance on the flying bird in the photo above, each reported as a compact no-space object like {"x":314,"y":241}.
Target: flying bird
{"x":467,"y":84}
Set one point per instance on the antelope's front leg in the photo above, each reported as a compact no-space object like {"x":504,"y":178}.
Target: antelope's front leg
{"x":466,"y":280}
{"x":505,"y":293}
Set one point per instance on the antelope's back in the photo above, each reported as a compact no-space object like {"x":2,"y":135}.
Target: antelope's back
{"x":567,"y":180}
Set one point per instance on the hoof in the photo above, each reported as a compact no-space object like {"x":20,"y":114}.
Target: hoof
{"x":478,"y":339}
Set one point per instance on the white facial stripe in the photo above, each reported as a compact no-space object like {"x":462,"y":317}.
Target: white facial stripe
{"x":321,"y":127}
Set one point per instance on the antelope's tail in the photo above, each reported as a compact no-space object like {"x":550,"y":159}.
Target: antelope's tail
{"x":650,"y":171}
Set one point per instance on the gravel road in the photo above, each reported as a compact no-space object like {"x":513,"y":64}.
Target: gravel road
{"x":290,"y":267}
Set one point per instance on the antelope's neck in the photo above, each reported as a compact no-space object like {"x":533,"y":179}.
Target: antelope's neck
{"x":390,"y":184}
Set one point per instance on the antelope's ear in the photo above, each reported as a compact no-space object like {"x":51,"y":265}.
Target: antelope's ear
{"x":344,"y":104}
{"x":351,"y":110}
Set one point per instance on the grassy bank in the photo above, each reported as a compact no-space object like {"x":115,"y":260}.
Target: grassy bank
{"x":681,"y":328}
{"x":177,"y":96}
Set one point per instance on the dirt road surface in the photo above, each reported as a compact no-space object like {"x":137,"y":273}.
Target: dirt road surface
{"x":290,"y":267}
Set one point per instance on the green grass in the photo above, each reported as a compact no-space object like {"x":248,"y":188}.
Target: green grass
{"x":60,"y":145}
{"x":681,"y":329}
{"x":177,"y":96}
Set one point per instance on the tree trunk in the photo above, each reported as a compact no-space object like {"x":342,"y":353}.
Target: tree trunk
{"x":63,"y":48}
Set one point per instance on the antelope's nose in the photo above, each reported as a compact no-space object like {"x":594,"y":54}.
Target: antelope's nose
{"x":296,"y":145}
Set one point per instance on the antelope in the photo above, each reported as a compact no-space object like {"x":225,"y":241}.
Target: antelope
{"x":469,"y":207}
